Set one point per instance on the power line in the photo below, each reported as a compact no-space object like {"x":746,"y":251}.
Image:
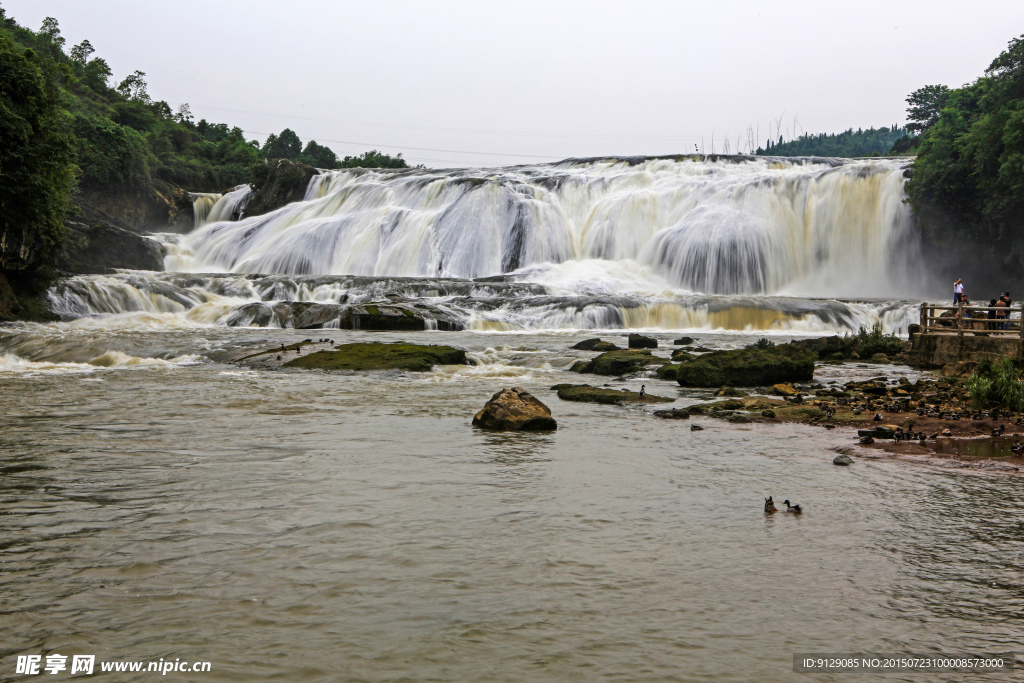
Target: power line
{"x":425,"y":149}
{"x":458,"y":130}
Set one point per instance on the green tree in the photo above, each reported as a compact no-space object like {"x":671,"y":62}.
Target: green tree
{"x":50,"y":31}
{"x":133,"y":87}
{"x":287,"y":145}
{"x":37,"y":154}
{"x":96,"y":73}
{"x":80,"y":53}
{"x":925,"y":106}
{"x":319,"y":156}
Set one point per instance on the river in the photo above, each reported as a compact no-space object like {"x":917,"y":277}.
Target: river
{"x":159,"y":502}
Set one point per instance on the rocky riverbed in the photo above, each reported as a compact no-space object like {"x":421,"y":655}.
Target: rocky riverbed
{"x":920,"y":419}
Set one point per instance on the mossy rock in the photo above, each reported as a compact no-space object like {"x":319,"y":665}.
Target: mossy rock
{"x":682,"y":355}
{"x":667,"y":372}
{"x":620,"y":362}
{"x":378,"y":356}
{"x":588,"y":394}
{"x":748,"y":367}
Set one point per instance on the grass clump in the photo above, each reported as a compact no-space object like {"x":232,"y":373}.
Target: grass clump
{"x":996,"y":383}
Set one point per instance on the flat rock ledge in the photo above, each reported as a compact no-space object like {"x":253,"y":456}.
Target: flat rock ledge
{"x":588,"y":394}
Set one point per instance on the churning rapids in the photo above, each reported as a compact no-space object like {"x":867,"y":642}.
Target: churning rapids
{"x":731,"y":243}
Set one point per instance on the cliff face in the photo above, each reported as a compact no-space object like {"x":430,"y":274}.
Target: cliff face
{"x":285,"y":182}
{"x":106,"y":233}
{"x":95,"y":242}
{"x":158,"y":208}
{"x":99,"y":242}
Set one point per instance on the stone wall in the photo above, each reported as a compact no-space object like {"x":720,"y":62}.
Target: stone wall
{"x":941,"y":350}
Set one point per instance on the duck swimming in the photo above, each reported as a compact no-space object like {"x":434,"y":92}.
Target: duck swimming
{"x":795,"y":509}
{"x":769,"y":506}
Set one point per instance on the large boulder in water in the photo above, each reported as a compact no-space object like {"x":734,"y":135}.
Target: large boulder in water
{"x":515,"y":409}
{"x":618,"y":362}
{"x":639,"y":341}
{"x":748,"y":367}
{"x":595,"y":344}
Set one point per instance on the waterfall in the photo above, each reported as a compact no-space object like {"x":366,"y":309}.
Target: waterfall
{"x":210,"y":207}
{"x":713,"y":225}
{"x":202,"y":202}
{"x":800,"y":246}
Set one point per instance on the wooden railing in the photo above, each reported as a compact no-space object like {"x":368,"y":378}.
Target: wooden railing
{"x":972,"y":320}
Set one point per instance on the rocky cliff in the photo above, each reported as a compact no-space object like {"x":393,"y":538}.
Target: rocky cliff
{"x":285,"y":182}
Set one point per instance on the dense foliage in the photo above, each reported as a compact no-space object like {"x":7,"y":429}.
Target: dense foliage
{"x":968,"y":178}
{"x":37,"y":155}
{"x":124,"y":140}
{"x":859,"y":143}
{"x":128,"y":142}
{"x":867,"y":343}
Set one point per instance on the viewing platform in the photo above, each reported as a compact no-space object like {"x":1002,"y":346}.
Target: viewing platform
{"x":949,"y":335}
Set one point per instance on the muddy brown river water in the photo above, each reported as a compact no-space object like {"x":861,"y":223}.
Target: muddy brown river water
{"x":158,"y":503}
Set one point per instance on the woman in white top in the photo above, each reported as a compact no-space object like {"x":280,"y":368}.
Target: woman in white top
{"x":958,"y":291}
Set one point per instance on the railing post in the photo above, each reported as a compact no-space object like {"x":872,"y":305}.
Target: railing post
{"x":924,"y":318}
{"x":1021,"y":319}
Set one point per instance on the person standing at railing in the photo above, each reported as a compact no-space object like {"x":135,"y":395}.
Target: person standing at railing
{"x":1003,"y":307}
{"x":992,"y":315}
{"x":958,"y":291}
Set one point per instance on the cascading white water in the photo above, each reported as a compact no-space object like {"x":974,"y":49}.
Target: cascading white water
{"x":738,"y":225}
{"x":202,"y":202}
{"x":518,"y":302}
{"x":211,"y":207}
{"x":734,"y":243}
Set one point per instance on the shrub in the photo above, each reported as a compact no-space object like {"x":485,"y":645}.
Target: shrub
{"x":996,"y":382}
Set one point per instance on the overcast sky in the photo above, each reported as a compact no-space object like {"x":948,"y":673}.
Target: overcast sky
{"x":493,"y":83}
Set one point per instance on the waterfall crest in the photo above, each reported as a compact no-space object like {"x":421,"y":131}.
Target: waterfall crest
{"x":212,"y":207}
{"x":721,"y":225}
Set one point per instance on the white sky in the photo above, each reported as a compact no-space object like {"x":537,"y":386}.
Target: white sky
{"x":493,"y":83}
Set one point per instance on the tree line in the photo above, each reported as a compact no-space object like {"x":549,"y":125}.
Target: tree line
{"x":850,"y":143}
